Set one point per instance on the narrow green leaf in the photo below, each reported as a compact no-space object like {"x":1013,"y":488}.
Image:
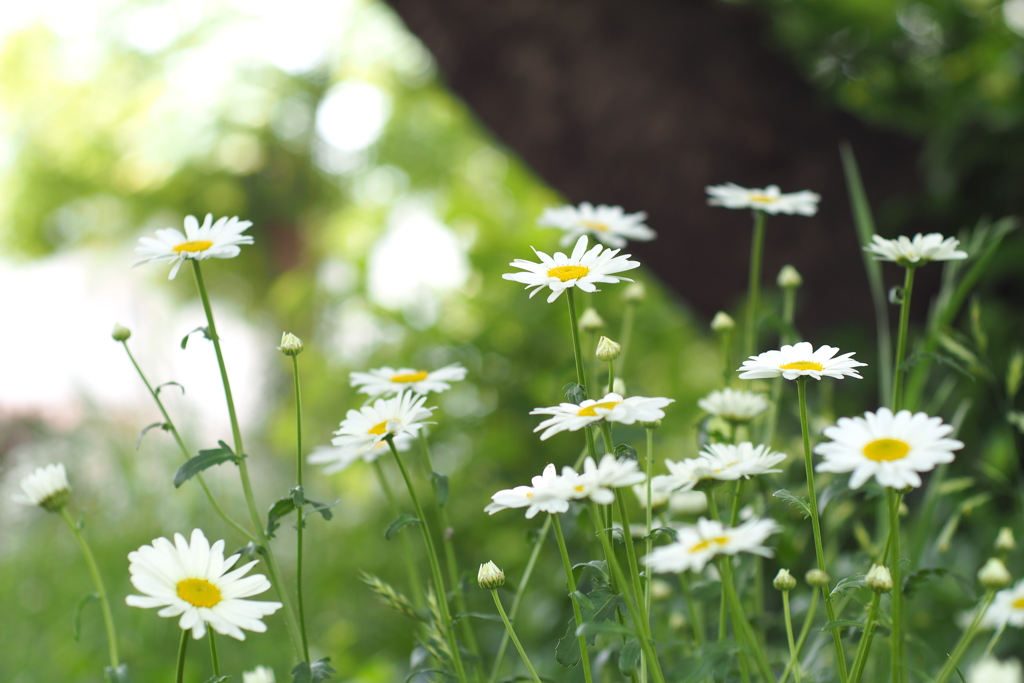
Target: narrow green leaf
{"x":399,"y":524}
{"x":206,"y":459}
{"x":841,"y":623}
{"x":280,"y":508}
{"x":118,"y":675}
{"x":77,"y":614}
{"x":440,"y":482}
{"x":184,"y":340}
{"x":169,"y":384}
{"x":629,"y":657}
{"x":162,"y":425}
{"x":798,"y":502}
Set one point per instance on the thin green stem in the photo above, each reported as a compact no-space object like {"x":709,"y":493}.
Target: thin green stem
{"x":897,"y":585}
{"x":634,"y":569}
{"x":864,"y":647}
{"x":581,"y":373}
{"x":611,"y":375}
{"x":789,"y":637}
{"x":966,"y":638}
{"x":97,"y":580}
{"x":696,"y":618}
{"x":412,"y":575}
{"x":804,"y":632}
{"x":435,"y":567}
{"x":213,"y":653}
{"x":570,"y":584}
{"x":179,"y":669}
{"x":626,"y":334}
{"x":995,"y":639}
{"x":754,"y":285}
{"x":787,"y":337}
{"x":709,"y":494}
{"x":812,"y":498}
{"x":727,"y":366}
{"x":901,"y":343}
{"x":184,"y":449}
{"x":648,"y":541}
{"x":737,"y":496}
{"x":744,"y":632}
{"x":512,"y":634}
{"x":243,"y":470}
{"x":300,"y":523}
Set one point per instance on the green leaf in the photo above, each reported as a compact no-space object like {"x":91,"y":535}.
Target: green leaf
{"x":320,"y":671}
{"x":118,"y":675}
{"x":629,"y":657}
{"x":706,"y":590}
{"x":280,"y":508}
{"x":475,"y":615}
{"x":796,"y":501}
{"x":599,"y":566}
{"x":699,"y":665}
{"x":184,"y":340}
{"x":850,"y":583}
{"x":604,"y":604}
{"x":168,"y":384}
{"x":841,"y":623}
{"x":162,"y":425}
{"x":593,"y":628}
{"x":663,"y":530}
{"x":567,"y":652}
{"x":399,"y":524}
{"x":77,"y":614}
{"x":323,"y":509}
{"x":248,"y":551}
{"x":582,"y":600}
{"x":440,"y":482}
{"x":914,"y":581}
{"x":206,"y":459}
{"x":574,"y":393}
{"x":624,"y":450}
{"x":298,"y":496}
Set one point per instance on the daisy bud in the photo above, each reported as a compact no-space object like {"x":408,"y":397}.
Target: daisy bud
{"x":789,"y":277}
{"x":817,"y":578}
{"x":290,"y":344}
{"x":634,"y":292}
{"x":879,"y":579}
{"x":47,"y":487}
{"x":651,"y":425}
{"x":120,"y":333}
{"x":490,"y":577}
{"x":1005,"y":541}
{"x":722,"y":322}
{"x":784,"y":581}
{"x":994,"y":574}
{"x":607,"y":350}
{"x":590,"y":321}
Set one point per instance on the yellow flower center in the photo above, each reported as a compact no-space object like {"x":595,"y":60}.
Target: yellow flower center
{"x":566,"y":273}
{"x":197,"y":245}
{"x":411,"y":377}
{"x":198,"y":592}
{"x":1018,"y":603}
{"x":594,"y":225}
{"x":578,"y":488}
{"x":763,"y":198}
{"x":706,"y":543}
{"x":886,"y":450}
{"x":802,"y":365}
{"x":590,"y":412}
{"x":379,"y":428}
{"x":529,"y":494}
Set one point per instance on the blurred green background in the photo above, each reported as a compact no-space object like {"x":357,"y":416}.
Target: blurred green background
{"x":383,"y":217}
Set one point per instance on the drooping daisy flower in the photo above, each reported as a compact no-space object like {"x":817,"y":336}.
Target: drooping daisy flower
{"x":365,"y":428}
{"x":46,"y":487}
{"x":611,"y":473}
{"x":192,"y":580}
{"x":1007,"y":609}
{"x":890,"y":448}
{"x":733,"y":405}
{"x":388,"y":381}
{"x":551,"y":492}
{"x":613,"y":408}
{"x":260,"y":674}
{"x":209,"y":240}
{"x":609,"y":224}
{"x":770,"y":199}
{"x":727,"y":462}
{"x":583,"y":269}
{"x":696,"y":545}
{"x":338,"y":458}
{"x":919,"y":250}
{"x":801,"y":360}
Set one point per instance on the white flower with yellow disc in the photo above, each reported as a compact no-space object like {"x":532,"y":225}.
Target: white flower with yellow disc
{"x":801,"y":360}
{"x":338,"y":458}
{"x":193,"y":581}
{"x":389,"y":381}
{"x":1007,"y":609}
{"x":46,"y":487}
{"x":770,"y":199}
{"x":550,"y":492}
{"x":917,"y":250}
{"x":697,"y":544}
{"x":220,"y":239}
{"x":891,"y":448}
{"x":608,"y":224}
{"x":363,"y":429}
{"x":613,"y":408}
{"x":734,"y":405}
{"x":728,"y":462}
{"x":583,"y":269}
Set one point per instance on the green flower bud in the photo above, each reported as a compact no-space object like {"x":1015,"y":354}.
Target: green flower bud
{"x":722,"y":322}
{"x":607,"y":350}
{"x":994,"y":574}
{"x":121,"y":334}
{"x":817,"y":578}
{"x":490,"y":577}
{"x":784,"y":581}
{"x":879,"y":579}
{"x":590,"y":321}
{"x":290,"y":344}
{"x":789,"y":277}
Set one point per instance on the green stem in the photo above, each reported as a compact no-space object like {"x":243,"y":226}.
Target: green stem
{"x":412,"y":575}
{"x":611,"y":376}
{"x":648,"y":541}
{"x":581,"y":374}
{"x":787,"y":337}
{"x":570,"y":583}
{"x":804,"y":632}
{"x":179,"y":669}
{"x":740,"y":623}
{"x":634,"y":569}
{"x":435,"y":567}
{"x":864,"y":647}
{"x":696,"y":619}
{"x":966,"y":638}
{"x":300,"y":523}
{"x":512,"y":634}
{"x":97,"y":580}
{"x":897,"y":583}
{"x":213,"y":653}
{"x":184,"y":449}
{"x":789,"y":637}
{"x":628,"y":316}
{"x":727,"y":366}
{"x":901,"y":343}
{"x":754,"y":286}
{"x":709,"y":494}
{"x":995,"y":639}
{"x":812,"y":498}
{"x":243,"y":469}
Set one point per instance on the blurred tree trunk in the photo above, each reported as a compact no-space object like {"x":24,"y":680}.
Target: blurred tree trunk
{"x":644,"y":103}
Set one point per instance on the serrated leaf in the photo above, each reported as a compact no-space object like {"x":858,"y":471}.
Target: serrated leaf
{"x":440,"y":482}
{"x":841,"y":623}
{"x":184,"y":340}
{"x":281,"y":508}
{"x":161,"y":425}
{"x":77,"y":614}
{"x":600,"y":566}
{"x":399,"y":524}
{"x":320,"y":671}
{"x":850,"y":583}
{"x":629,"y":657}
{"x":604,"y":604}
{"x":206,"y":459}
{"x":574,"y":393}
{"x":797,"y":502}
{"x":567,"y":652}
{"x":624,"y":450}
{"x":707,"y":657}
{"x":169,"y":384}
{"x":118,"y":675}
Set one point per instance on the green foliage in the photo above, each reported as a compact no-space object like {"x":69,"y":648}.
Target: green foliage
{"x":206,"y":459}
{"x":400,"y":523}
{"x":320,"y":670}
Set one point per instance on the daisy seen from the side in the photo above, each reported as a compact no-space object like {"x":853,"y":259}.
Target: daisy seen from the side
{"x":388,"y":381}
{"x":261,"y":674}
{"x":612,"y":407}
{"x":220,"y":239}
{"x":734,"y":405}
{"x":550,"y":492}
{"x":728,"y":462}
{"x":697,"y":544}
{"x":192,"y":580}
{"x":338,"y":458}
{"x":1007,"y":609}
{"x":363,"y":429}
{"x":46,"y":487}
{"x":893,"y":449}
{"x":608,"y":224}
{"x":610,"y":473}
{"x":915,"y":251}
{"x":582,"y":268}
{"x":770,"y":199}
{"x":801,"y":360}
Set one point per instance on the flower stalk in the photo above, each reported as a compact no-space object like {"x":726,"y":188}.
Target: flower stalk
{"x":179,"y":669}
{"x":300,"y":523}
{"x":570,"y":583}
{"x":213,"y":654}
{"x":901,"y":341}
{"x":754,"y":285}
{"x":412,"y":575}
{"x":512,"y":634}
{"x":966,"y":638}
{"x":897,"y":585}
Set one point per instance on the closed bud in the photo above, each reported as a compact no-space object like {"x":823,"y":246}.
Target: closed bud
{"x":784,"y":581}
{"x":1005,"y":541}
{"x":607,"y":350}
{"x":817,"y":578}
{"x":634,"y":291}
{"x":590,"y":321}
{"x":290,"y":344}
{"x":121,"y":334}
{"x":789,"y":277}
{"x":651,"y":425}
{"x":722,"y":322}
{"x":490,"y":577}
{"x":994,"y":574}
{"x":878,"y":579}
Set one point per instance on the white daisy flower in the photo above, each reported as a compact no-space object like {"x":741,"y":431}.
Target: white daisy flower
{"x":890,"y":448}
{"x":801,"y":360}
{"x":665,"y":489}
{"x":613,"y":408}
{"x":770,"y":199}
{"x":209,"y":240}
{"x":583,"y":269}
{"x":193,"y":581}
{"x":733,"y":405}
{"x":365,"y":428}
{"x":1007,"y":609}
{"x":261,"y":674}
{"x":388,"y":381}
{"x":551,"y":492}
{"x":991,"y":670}
{"x":46,"y":487}
{"x":917,"y":250}
{"x":612,"y":472}
{"x":727,"y":462}
{"x":609,"y":224}
{"x":338,"y":458}
{"x":696,"y":545}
